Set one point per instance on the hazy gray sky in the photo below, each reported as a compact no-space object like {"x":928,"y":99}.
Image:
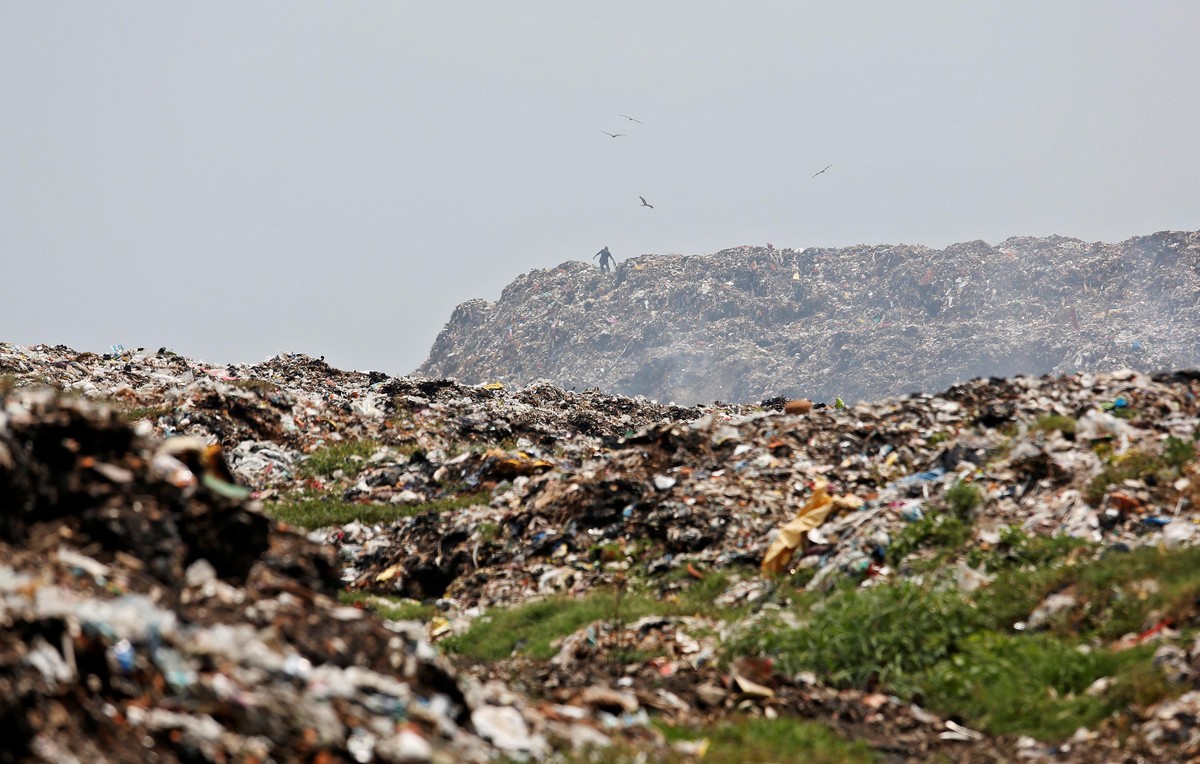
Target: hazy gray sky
{"x":236,"y":180}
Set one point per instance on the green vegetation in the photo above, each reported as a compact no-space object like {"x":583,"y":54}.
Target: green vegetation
{"x":944,"y":532}
{"x":1018,"y":549}
{"x":957,"y":653}
{"x":1031,"y":685}
{"x":488,"y":532}
{"x":1139,"y":464}
{"x":765,"y":740}
{"x":324,"y":509}
{"x":1177,"y":452}
{"x":349,"y":456}
{"x":1051,"y":422}
{"x":962,"y":499}
{"x":145,"y":412}
{"x":392,"y":608}
{"x":887,"y":634}
{"x":321,"y":510}
{"x":531,"y":628}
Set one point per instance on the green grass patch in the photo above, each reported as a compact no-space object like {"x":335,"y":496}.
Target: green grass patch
{"x":957,"y":653}
{"x":1124,"y":593}
{"x":1052,"y":422}
{"x":1031,"y":684}
{"x":1018,"y":549}
{"x":962,"y":498}
{"x":1135,"y":464}
{"x":936,"y":438}
{"x":392,"y":608}
{"x":766,"y":740}
{"x":1177,"y":452}
{"x":530,"y":629}
{"x":944,"y":532}
{"x":349,"y":456}
{"x":860,"y":637}
{"x":322,"y":510}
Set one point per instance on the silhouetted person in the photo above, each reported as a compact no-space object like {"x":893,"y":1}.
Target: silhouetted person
{"x":606,"y":259}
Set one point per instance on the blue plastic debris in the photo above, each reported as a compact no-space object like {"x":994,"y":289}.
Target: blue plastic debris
{"x":124,"y":655}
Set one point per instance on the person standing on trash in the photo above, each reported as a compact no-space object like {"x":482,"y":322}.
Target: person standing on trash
{"x":606,"y":259}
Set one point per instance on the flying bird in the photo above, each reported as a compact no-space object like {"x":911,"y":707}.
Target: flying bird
{"x":631,"y":119}
{"x":815,"y":174}
{"x":612,"y":135}
{"x":646,"y":203}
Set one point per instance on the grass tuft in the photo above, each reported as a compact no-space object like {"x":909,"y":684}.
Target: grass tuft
{"x":392,"y":608}
{"x":962,"y":499}
{"x":145,"y":412}
{"x":1051,"y":422}
{"x":772,"y":740}
{"x":349,"y":456}
{"x":531,"y":628}
{"x":1030,"y":684}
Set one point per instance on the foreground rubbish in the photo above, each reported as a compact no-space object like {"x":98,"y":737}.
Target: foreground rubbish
{"x":283,"y":560}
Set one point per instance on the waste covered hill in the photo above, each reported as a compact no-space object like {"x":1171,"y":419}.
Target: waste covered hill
{"x":286,"y":561}
{"x":859,"y":322}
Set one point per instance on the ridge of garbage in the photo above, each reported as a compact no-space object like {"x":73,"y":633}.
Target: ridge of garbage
{"x":862,"y":322}
{"x":154,"y":601}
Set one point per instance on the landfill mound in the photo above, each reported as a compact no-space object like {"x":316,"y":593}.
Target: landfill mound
{"x":285,"y":561}
{"x":860,"y":322}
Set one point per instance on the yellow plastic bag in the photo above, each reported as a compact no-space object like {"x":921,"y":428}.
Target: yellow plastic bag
{"x":812,"y":515}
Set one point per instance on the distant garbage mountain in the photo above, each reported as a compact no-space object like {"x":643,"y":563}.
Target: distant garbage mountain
{"x":860,"y":322}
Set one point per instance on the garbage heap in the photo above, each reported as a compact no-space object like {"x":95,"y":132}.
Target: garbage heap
{"x":159,"y":597}
{"x":151,"y":612}
{"x":860,"y":322}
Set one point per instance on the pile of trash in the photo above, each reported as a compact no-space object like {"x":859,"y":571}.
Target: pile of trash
{"x":860,"y":322}
{"x":158,"y":592}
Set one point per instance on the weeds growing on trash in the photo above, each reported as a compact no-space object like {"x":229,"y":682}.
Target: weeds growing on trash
{"x":956,"y":650}
{"x":1178,"y":452}
{"x":1018,"y":549}
{"x":392,"y":608}
{"x":1052,"y":422}
{"x":887,"y":634}
{"x":532,"y":628}
{"x":322,"y":510}
{"x":963,"y":498}
{"x":1131,"y":592}
{"x":145,"y":412}
{"x":1134,"y":464}
{"x":1031,"y":684}
{"x":349,"y":456}
{"x":767,"y":740}
{"x":946,"y":533}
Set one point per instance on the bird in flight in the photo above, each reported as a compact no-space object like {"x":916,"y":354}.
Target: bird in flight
{"x":612,"y":135}
{"x":815,"y":174}
{"x":646,"y":203}
{"x":631,"y":119}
